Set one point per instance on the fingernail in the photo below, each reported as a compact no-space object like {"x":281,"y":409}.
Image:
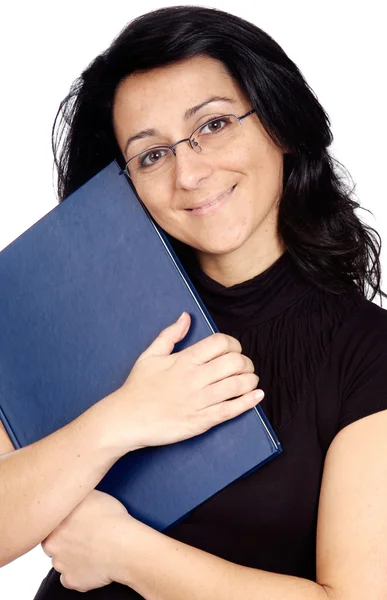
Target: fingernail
{"x":181,"y":316}
{"x":259,"y":395}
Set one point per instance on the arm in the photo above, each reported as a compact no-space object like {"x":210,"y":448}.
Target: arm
{"x":351,"y":541}
{"x":42,"y":483}
{"x":352,"y":523}
{"x":160,"y":568}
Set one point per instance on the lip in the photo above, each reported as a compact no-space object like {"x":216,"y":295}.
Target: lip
{"x":215,"y":203}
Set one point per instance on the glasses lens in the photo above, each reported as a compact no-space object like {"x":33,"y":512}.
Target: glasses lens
{"x":152,"y":162}
{"x":215,"y":133}
{"x":212,"y":135}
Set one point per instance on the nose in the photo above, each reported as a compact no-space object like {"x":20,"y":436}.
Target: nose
{"x":190,"y":167}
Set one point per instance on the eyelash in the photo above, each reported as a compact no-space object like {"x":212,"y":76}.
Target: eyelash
{"x":147,"y":153}
{"x":214,"y":120}
{"x":144,"y":156}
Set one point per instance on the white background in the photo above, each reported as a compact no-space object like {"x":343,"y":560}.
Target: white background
{"x":340,"y":47}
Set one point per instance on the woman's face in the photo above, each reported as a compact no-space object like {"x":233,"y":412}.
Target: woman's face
{"x":246,"y":172}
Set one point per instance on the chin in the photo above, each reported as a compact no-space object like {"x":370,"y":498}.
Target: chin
{"x":222,"y":248}
{"x":217,"y":241}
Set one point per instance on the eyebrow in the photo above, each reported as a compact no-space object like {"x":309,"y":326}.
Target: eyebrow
{"x":189,"y":113}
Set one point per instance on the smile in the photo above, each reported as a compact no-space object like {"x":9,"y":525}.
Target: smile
{"x":212,"y":206}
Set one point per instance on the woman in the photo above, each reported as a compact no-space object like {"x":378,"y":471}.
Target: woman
{"x":227,"y":147}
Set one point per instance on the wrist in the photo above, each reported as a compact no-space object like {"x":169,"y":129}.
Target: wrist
{"x":115,"y":425}
{"x":132,"y":554}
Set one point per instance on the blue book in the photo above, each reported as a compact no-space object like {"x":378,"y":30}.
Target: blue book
{"x":83,"y":293}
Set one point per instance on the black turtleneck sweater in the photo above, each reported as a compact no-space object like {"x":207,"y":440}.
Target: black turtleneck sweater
{"x":322,"y":362}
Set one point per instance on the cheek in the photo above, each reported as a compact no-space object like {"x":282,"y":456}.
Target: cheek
{"x":155,"y":200}
{"x":265,"y":165}
{"x":160,"y":210}
{"x":254,"y":159}
{"x":262,"y":164}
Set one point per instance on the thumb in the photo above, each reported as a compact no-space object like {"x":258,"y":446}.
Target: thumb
{"x":168,"y":337}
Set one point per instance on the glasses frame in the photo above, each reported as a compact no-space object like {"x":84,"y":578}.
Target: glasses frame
{"x":192,"y":142}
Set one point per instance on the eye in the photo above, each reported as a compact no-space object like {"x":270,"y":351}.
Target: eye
{"x":214,"y":126}
{"x":152,"y":157}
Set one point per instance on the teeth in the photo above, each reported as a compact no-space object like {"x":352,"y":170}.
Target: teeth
{"x":206,"y":205}
{"x":212,"y":203}
{"x":215,"y":201}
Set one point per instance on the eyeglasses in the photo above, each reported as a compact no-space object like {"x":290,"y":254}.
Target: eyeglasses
{"x":213,"y":135}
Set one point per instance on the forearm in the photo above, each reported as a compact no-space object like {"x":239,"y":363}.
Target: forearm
{"x":42,"y":483}
{"x":160,"y":568}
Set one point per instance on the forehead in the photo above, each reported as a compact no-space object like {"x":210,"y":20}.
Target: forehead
{"x":170,"y":90}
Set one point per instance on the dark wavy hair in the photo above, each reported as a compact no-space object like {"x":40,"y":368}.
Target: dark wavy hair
{"x":326,"y":240}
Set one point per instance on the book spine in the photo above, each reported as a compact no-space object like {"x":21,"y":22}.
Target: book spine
{"x":177,"y":263}
{"x":269,"y":430}
{"x":183,"y":274}
{"x":9,"y":430}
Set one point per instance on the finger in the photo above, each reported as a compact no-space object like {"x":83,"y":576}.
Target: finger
{"x":64,"y":582}
{"x":46,"y":548}
{"x":225,"y":411}
{"x":211,"y":347}
{"x":225,"y":366}
{"x":229,"y":388}
{"x":168,"y":337}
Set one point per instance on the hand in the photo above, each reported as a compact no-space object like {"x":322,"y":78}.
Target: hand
{"x":171,"y":397}
{"x":85,"y":547}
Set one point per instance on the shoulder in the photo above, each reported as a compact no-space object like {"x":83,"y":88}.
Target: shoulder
{"x":345,"y":325}
{"x":358,"y":360}
{"x":363,"y":331}
{"x":369,"y":314}
{"x":350,"y":321}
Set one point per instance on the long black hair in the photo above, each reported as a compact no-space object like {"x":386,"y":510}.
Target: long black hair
{"x":326,"y":240}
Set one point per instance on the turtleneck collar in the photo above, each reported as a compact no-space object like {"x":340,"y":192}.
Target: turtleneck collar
{"x":250,"y":302}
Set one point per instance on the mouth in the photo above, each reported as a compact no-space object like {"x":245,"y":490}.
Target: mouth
{"x":211,"y":207}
